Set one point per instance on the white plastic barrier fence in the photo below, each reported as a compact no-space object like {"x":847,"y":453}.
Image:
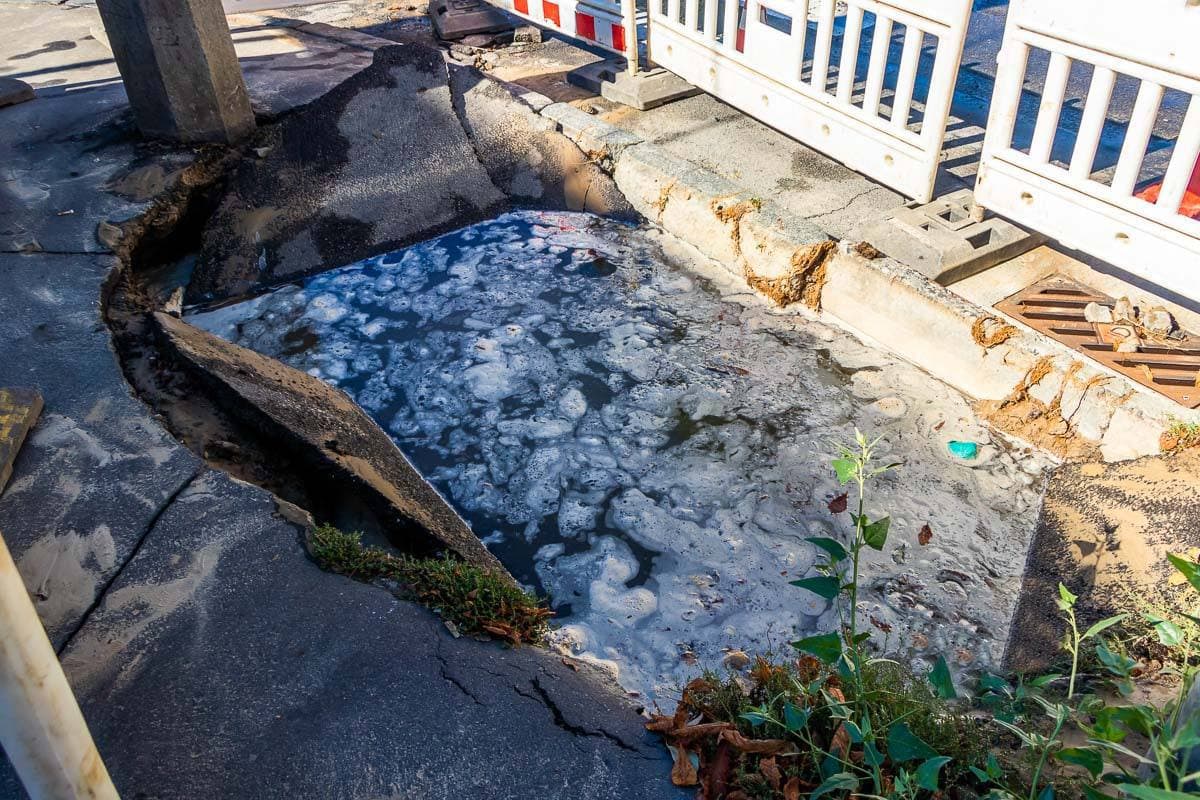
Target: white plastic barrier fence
{"x":871,"y":89}
{"x":1138,"y":215}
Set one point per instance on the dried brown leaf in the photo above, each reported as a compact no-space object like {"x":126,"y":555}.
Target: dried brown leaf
{"x":770,"y":771}
{"x":690,"y":732}
{"x":716,"y":773}
{"x":926,"y":534}
{"x":838,"y":504}
{"x":684,"y":772}
{"x":661,"y":723}
{"x":760,"y":746}
{"x":791,"y":790}
{"x":840,"y":745}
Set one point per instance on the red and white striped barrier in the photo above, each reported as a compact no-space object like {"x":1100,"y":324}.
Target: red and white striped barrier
{"x":597,"y":21}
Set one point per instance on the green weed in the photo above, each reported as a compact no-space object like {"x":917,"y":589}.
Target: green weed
{"x":475,"y":600}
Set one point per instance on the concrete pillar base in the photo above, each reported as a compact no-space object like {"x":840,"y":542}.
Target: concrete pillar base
{"x":179,"y":67}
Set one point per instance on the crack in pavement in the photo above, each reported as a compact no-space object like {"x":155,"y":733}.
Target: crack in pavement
{"x":542,"y":696}
{"x":445,"y":673}
{"x":847,"y":204}
{"x":137,"y":547}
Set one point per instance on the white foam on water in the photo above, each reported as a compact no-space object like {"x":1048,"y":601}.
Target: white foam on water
{"x":649,"y":446}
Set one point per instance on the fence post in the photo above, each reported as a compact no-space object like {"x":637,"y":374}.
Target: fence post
{"x":629,"y":20}
{"x":41,"y":727}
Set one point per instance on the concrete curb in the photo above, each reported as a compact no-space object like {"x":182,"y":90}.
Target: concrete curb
{"x":881,"y":299}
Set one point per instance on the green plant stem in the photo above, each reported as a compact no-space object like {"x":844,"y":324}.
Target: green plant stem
{"x":1037,"y":773}
{"x":1074,"y":648}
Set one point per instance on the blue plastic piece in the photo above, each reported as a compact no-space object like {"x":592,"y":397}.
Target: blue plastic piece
{"x":965,"y":450}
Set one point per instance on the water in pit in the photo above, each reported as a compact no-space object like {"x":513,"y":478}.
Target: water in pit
{"x":647,"y":444}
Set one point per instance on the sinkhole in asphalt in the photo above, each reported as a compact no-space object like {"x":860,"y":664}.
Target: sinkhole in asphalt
{"x":636,"y":436}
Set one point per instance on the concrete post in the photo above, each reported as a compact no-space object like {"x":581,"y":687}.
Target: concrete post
{"x":41,"y":727}
{"x":180,"y":70}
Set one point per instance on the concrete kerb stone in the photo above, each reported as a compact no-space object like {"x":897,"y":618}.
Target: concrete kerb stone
{"x":881,"y":299}
{"x":593,"y":136}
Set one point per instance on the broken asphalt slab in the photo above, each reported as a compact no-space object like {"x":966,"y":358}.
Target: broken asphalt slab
{"x":328,"y":430}
{"x":225,"y":663}
{"x":525,"y":155}
{"x":378,"y":162}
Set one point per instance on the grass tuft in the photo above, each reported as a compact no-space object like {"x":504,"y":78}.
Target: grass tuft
{"x":475,"y":600}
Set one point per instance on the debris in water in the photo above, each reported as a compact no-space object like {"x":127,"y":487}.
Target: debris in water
{"x":963,"y":450}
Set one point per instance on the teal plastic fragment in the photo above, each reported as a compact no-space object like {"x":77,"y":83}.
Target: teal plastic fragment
{"x":965,"y":450}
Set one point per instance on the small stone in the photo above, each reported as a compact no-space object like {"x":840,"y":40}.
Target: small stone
{"x":263,"y":152}
{"x":527,"y":34}
{"x":13,"y":91}
{"x":109,"y":235}
{"x":1094,"y":312}
{"x":450,"y":626}
{"x":1158,"y":320}
{"x":174,"y":304}
{"x":736,"y":659}
{"x":1123,"y":311}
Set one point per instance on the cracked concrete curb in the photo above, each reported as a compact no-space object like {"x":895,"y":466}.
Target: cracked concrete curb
{"x":881,"y":299}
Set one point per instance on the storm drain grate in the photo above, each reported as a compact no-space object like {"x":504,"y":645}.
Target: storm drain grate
{"x":1055,"y":306}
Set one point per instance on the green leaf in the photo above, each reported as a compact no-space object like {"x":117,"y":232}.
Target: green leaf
{"x":993,"y":683}
{"x":833,"y":547}
{"x":1168,"y":632}
{"x":1095,"y":794}
{"x":826,"y":586}
{"x":872,"y":755}
{"x":904,"y":745}
{"x":1154,"y":793}
{"x":1089,"y":758}
{"x":842,"y":781}
{"x":927,"y":773}
{"x":1190,"y":571}
{"x":1047,"y":793}
{"x":845,"y":469}
{"x":941,"y":680}
{"x":794,"y":719}
{"x":1103,"y":625}
{"x":1042,"y":681}
{"x":1065,"y":598}
{"x":979,"y":774}
{"x":756,"y":718}
{"x":826,"y":646}
{"x":875,"y":534}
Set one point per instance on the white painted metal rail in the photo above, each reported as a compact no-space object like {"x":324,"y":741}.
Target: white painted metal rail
{"x":1130,"y":213}
{"x":872,"y":89}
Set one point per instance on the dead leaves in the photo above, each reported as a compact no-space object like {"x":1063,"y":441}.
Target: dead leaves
{"x":926,"y":535}
{"x":838,"y":504}
{"x":684,"y":773}
{"x":759,"y":746}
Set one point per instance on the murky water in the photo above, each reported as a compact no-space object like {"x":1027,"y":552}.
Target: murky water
{"x":649,"y":447}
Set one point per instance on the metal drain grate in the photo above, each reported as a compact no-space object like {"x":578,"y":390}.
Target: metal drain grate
{"x":1054,"y":306}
